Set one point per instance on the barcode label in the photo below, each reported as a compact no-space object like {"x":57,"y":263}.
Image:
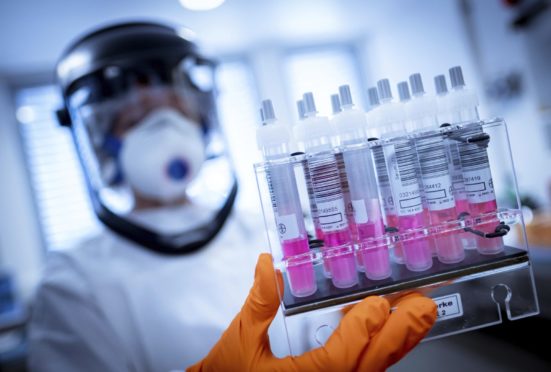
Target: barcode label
{"x":310,"y":191}
{"x":344,"y":187}
{"x":437,"y":182}
{"x":380,"y":165}
{"x":383,"y":181}
{"x":402,"y":170}
{"x":326,"y":186}
{"x":456,"y":171}
{"x":439,"y":193}
{"x":332,"y":215}
{"x":405,"y":156}
{"x":479,"y":186}
{"x":477,"y":176}
{"x":271,"y":190}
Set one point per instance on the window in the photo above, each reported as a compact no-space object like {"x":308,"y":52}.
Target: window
{"x":58,"y":183}
{"x":321,"y":71}
{"x":60,"y":193}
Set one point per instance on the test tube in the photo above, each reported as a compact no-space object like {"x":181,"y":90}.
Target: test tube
{"x":435,"y":175}
{"x":467,"y":239}
{"x":480,"y":189}
{"x":390,"y":215}
{"x":314,"y":135}
{"x":350,"y":125}
{"x":273,"y":141}
{"x":475,"y":164}
{"x":310,"y":190}
{"x":403,"y":166}
{"x":337,"y":110}
{"x":313,"y":208}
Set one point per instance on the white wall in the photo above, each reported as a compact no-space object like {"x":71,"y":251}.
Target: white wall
{"x":21,"y":248}
{"x":502,"y":50}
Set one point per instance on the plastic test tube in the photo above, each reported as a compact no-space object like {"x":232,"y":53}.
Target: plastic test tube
{"x":383,"y":182}
{"x":467,"y":239}
{"x":336,"y":106}
{"x":313,"y":208}
{"x":406,"y":101}
{"x":314,"y":135}
{"x":310,"y":190}
{"x":350,"y":125}
{"x":434,"y":169}
{"x":337,"y":110}
{"x":273,"y":141}
{"x":402,"y":165}
{"x":477,"y":175}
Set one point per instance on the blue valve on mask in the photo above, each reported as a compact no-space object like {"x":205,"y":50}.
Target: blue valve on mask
{"x":177,"y":169}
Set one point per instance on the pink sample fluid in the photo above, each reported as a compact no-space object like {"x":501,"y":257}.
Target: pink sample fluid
{"x":354,"y":234}
{"x":375,"y":256}
{"x":359,"y":260}
{"x":430,"y":239}
{"x":467,"y":239}
{"x":300,"y":269}
{"x":448,"y":245}
{"x":353,"y":228}
{"x":340,"y":255}
{"x":417,"y":250}
{"x":326,"y":267}
{"x":392,"y":221}
{"x":486,"y":245}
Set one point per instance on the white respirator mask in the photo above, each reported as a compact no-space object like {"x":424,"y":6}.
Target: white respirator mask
{"x":162,"y":154}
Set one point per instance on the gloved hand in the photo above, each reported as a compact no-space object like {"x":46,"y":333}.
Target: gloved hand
{"x":368,"y":338}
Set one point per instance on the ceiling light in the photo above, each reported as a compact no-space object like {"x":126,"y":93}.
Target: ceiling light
{"x":201,"y":4}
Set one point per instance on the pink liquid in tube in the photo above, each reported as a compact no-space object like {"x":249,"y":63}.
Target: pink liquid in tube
{"x":479,"y":188}
{"x":339,"y":253}
{"x":403,"y":169}
{"x":467,"y":239}
{"x":438,"y":189}
{"x":373,"y":249}
{"x":291,"y":230}
{"x":487,"y":245}
{"x":338,"y":248}
{"x":286,"y":205}
{"x":299,"y":267}
{"x":417,"y":249}
{"x":449,"y":247}
{"x":387,"y":198}
{"x":373,"y":253}
{"x":392,"y":222}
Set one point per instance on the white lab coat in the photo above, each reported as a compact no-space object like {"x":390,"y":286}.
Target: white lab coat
{"x":110,"y":305}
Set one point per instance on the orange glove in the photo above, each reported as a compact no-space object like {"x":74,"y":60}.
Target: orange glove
{"x":368,"y":338}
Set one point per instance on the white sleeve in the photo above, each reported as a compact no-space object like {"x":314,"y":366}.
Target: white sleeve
{"x":67,"y":331}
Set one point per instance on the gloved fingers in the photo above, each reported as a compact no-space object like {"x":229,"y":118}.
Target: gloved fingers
{"x":394,"y":298}
{"x":408,"y":324}
{"x":404,"y":297}
{"x":345,"y":346}
{"x":263,"y":300}
{"x":245,"y":341}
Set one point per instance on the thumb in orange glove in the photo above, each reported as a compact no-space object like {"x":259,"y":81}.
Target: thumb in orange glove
{"x":368,"y":338}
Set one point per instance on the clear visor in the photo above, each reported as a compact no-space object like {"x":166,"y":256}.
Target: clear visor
{"x":154,"y":147}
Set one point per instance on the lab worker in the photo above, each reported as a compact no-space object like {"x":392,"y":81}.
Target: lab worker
{"x":160,"y":287}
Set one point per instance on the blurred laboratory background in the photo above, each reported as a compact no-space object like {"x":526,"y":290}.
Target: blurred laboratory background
{"x":278,"y":49}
